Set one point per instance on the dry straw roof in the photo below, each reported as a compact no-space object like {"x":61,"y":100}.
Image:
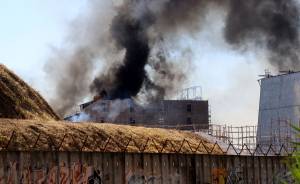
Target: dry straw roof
{"x":20,"y":101}
{"x":33,"y":135}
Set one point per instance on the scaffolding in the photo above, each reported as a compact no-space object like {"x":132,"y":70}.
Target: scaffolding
{"x":236,"y":135}
{"x":277,"y":133}
{"x":192,"y":93}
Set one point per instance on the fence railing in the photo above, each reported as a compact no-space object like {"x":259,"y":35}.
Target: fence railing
{"x":236,"y":135}
{"x":277,"y":133}
{"x":110,"y":144}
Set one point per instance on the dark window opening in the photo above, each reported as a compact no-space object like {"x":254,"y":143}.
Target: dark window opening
{"x":131,"y":109}
{"x":132,"y":121}
{"x":104,"y":107}
{"x":189,"y":108}
{"x":189,"y":121}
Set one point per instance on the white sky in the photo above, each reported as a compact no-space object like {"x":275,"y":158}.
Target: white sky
{"x":28,"y":29}
{"x":229,"y":78}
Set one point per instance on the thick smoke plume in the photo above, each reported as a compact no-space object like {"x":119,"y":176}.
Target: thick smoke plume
{"x":126,"y":40}
{"x":274,"y":24}
{"x":135,"y":29}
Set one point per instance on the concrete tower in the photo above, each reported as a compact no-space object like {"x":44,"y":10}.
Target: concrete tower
{"x":279,"y":107}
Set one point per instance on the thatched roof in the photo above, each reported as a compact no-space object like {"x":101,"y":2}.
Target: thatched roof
{"x":64,"y":136}
{"x":20,"y":101}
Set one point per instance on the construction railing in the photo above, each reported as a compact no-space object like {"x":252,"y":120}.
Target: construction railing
{"x":276,"y":133}
{"x":235,"y":135}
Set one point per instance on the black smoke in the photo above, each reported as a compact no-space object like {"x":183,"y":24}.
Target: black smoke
{"x":129,"y":77}
{"x":273,"y":24}
{"x":136,"y":26}
{"x":130,"y":31}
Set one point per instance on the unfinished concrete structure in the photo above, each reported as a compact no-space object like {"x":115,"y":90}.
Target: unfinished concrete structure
{"x":164,"y":112}
{"x":279,"y":108}
{"x":187,"y":111}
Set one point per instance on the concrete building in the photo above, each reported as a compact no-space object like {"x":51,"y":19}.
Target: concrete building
{"x":188,"y":111}
{"x":164,"y":112}
{"x":279,"y":108}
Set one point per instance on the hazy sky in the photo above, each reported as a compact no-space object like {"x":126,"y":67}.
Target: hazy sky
{"x":229,"y":78}
{"x":28,"y":30}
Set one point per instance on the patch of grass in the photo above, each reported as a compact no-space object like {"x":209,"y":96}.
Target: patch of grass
{"x":95,"y":136}
{"x":19,"y":101}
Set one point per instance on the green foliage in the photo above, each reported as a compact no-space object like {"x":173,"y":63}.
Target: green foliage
{"x":294,"y":166}
{"x":293,"y":162}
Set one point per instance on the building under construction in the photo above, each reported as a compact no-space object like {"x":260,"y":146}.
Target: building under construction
{"x":189,"y":109}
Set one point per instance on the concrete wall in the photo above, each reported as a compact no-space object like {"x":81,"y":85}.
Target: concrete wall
{"x":176,"y":111}
{"x":165,"y":112}
{"x":279,"y":106}
{"x":129,"y":168}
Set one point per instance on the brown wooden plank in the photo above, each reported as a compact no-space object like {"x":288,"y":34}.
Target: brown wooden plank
{"x":119,"y":165}
{"x":129,"y":168}
{"x":64,"y":171}
{"x":165,"y":169}
{"x":98,"y":164}
{"x":199,"y":169}
{"x":269,"y":167}
{"x":107,"y":168}
{"x":156,"y":167}
{"x":263,"y":169}
{"x":256,"y":170}
{"x":250,"y":169}
{"x":207,"y":169}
